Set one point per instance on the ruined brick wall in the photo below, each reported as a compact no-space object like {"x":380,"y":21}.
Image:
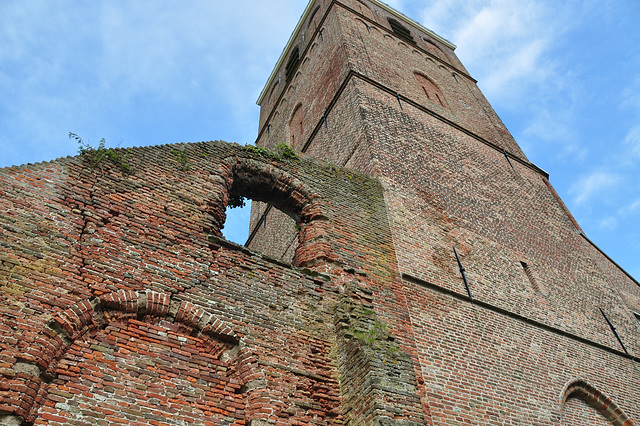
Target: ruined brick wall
{"x":121,"y":303}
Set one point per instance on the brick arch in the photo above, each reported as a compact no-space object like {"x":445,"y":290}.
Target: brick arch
{"x":603,"y":404}
{"x":434,"y":49}
{"x":86,"y":318}
{"x":365,"y":10}
{"x":264,"y":181}
{"x":312,"y":23}
{"x":430,"y":89}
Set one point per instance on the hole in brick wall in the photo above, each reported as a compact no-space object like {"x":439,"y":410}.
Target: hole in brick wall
{"x":286,"y":220}
{"x":236,"y":225}
{"x":266,"y":222}
{"x":273,"y":232}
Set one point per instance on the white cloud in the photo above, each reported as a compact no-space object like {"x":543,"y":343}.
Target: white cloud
{"x":630,"y":210}
{"x":592,"y":185}
{"x":633,"y":139}
{"x":609,"y":224}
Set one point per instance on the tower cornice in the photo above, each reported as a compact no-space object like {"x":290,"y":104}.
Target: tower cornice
{"x":307,"y":11}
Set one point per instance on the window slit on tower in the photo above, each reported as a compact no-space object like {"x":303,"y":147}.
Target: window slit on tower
{"x":292,"y":64}
{"x":529,"y":274}
{"x":401,"y":31}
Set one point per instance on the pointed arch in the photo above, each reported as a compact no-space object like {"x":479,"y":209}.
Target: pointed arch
{"x":430,"y":89}
{"x":365,"y":10}
{"x":433,"y":48}
{"x":602,"y":403}
{"x":312,"y":24}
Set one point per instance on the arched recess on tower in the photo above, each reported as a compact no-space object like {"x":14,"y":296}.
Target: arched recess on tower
{"x":430,"y":89}
{"x":296,"y":128}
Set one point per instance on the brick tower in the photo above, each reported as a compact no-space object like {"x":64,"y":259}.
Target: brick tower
{"x":408,"y":266}
{"x":508,"y":306}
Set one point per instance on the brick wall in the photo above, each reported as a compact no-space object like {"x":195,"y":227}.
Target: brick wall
{"x":453,"y":176}
{"x":121,"y":302}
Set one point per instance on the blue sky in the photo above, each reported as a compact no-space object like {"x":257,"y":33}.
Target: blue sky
{"x":563,"y":76}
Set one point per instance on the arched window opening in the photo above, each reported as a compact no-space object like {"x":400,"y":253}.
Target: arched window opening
{"x":365,"y":10}
{"x":286,"y":220}
{"x":296,"y":127}
{"x":125,"y":324}
{"x":273,"y":89}
{"x":312,"y":26}
{"x":292,"y":64}
{"x":401,"y":31}
{"x":261,"y":226}
{"x":236,"y":224}
{"x":430,"y":90}
{"x":434,"y":49}
{"x":273,"y":232}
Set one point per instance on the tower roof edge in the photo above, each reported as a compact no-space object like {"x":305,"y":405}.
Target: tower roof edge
{"x":303,"y":18}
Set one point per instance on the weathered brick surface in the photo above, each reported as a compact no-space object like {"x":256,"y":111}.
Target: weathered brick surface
{"x":150,"y":317}
{"x":120,"y":301}
{"x":454,"y":177}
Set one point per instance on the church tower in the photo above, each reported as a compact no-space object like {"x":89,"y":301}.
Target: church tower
{"x":511,"y":308}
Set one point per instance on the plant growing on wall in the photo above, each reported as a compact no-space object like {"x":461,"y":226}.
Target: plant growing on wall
{"x":281,"y":152}
{"x":95,"y":155}
{"x":181,"y":157}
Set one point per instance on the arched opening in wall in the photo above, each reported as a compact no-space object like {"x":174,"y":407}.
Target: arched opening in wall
{"x":275,"y":222}
{"x":238,"y":218}
{"x":430,"y":89}
{"x":582,"y":403}
{"x":130,"y":366}
{"x":286,"y":220}
{"x":434,"y":49}
{"x":401,"y":31}
{"x":314,"y":18}
{"x":365,"y":10}
{"x":292,"y":64}
{"x":137,"y":357}
{"x":273,"y":232}
{"x":578,"y":412}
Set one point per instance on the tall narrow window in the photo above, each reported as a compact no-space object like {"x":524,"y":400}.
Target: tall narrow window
{"x":529,"y":274}
{"x":292,"y":64}
{"x":296,"y":127}
{"x":313,"y":25}
{"x":430,"y":90}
